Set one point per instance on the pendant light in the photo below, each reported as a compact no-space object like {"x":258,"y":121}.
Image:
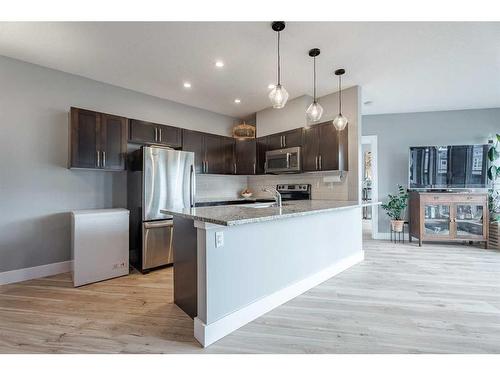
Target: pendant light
{"x":278,"y":95}
{"x":340,"y":122}
{"x":315,"y":110}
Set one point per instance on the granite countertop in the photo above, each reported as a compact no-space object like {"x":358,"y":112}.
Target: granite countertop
{"x":226,"y":199}
{"x":238,"y":214}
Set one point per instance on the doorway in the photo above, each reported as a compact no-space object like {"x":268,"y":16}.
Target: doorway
{"x":369,"y":185}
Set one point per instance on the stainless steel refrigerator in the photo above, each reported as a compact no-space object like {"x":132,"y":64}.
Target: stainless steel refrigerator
{"x":157,"y":177}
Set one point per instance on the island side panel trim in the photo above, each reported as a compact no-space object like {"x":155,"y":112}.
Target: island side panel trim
{"x":207,"y":334}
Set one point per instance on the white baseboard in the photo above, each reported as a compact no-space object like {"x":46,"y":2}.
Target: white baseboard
{"x":387,"y":236}
{"x":207,"y":334}
{"x":15,"y":276}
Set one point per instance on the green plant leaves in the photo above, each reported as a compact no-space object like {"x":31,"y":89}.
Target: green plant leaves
{"x":493,"y":154}
{"x":493,"y":172}
{"x":498,"y":137}
{"x":396,"y":204}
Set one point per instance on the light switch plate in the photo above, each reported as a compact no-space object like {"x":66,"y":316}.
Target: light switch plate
{"x":219,"y":239}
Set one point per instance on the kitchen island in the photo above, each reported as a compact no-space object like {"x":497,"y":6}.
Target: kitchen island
{"x":233,"y":264}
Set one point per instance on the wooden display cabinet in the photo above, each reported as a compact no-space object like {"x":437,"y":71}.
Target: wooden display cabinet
{"x":449,"y":216}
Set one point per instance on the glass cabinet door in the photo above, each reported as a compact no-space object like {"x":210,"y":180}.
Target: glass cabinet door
{"x":469,"y":220}
{"x":437,"y":220}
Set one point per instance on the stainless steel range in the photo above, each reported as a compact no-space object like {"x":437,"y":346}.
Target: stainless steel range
{"x":294,"y":192}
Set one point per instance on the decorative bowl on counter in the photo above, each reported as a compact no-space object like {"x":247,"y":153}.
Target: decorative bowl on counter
{"x":246,"y":193}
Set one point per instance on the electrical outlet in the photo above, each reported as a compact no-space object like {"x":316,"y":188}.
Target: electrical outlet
{"x":219,"y":239}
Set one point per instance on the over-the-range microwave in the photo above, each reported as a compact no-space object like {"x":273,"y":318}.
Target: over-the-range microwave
{"x":286,"y":160}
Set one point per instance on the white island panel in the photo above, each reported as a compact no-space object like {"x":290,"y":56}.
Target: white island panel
{"x":264,"y":264}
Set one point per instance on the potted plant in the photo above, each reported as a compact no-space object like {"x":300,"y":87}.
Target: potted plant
{"x":395,"y":208}
{"x":493,"y":193}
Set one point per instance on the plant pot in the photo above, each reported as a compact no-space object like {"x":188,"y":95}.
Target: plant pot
{"x":397,"y":225}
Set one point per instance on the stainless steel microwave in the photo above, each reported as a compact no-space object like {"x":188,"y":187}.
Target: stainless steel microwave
{"x":286,"y":160}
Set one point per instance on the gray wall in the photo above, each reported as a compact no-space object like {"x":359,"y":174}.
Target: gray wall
{"x":397,"y":132}
{"x":36,"y":189}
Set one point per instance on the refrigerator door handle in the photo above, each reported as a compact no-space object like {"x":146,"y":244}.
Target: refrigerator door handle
{"x":191,"y":186}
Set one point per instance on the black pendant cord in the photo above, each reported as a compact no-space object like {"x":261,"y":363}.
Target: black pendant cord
{"x":279,"y":67}
{"x":314,"y":85}
{"x":340,"y":94}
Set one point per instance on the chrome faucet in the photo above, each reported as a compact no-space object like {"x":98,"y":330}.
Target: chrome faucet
{"x":276,"y":194}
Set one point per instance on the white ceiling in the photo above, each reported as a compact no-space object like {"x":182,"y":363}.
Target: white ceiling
{"x":401,"y":67}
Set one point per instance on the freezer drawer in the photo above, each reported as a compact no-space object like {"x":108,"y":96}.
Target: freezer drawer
{"x":157,"y":243}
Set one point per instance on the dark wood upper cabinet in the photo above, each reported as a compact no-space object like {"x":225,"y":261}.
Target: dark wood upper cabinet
{"x":214,"y":154}
{"x":325,"y":148}
{"x":291,"y":138}
{"x":228,"y":144}
{"x":113,"y":142}
{"x":274,"y":141}
{"x":261,"y":144}
{"x":245,"y":155}
{"x":194,"y":141}
{"x":97,"y":140}
{"x":84,"y":144}
{"x":151,"y":133}
{"x":310,"y":150}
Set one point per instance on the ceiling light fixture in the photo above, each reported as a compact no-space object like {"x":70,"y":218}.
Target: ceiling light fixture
{"x":340,"y":122}
{"x":278,"y":95}
{"x":315,"y":110}
{"x":237,"y":101}
{"x":219,"y":64}
{"x":271,"y":86}
{"x":187,"y":85}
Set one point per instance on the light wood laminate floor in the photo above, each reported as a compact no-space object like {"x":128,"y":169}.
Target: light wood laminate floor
{"x":402,"y":299}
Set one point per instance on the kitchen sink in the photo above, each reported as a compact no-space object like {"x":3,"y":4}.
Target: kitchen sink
{"x":261,"y":205}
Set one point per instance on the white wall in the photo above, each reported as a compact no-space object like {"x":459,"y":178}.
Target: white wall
{"x":36,"y":188}
{"x":292,"y":116}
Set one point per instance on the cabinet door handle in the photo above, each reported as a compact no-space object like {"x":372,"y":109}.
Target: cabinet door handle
{"x":159,"y":131}
{"x":320,"y":163}
{"x":254,"y":168}
{"x":98,"y":158}
{"x":103,"y":159}
{"x":284,"y":141}
{"x":234,"y":168}
{"x":316,"y":162}
{"x":156,"y":134}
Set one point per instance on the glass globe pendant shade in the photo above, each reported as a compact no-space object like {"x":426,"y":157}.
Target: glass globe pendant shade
{"x":278,"y":96}
{"x":340,"y":122}
{"x":314,"y":111}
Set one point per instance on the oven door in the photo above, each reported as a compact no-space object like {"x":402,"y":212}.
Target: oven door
{"x":283,"y":161}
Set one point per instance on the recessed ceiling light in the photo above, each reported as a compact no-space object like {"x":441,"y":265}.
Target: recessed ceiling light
{"x":187,"y":85}
{"x":270,"y":86}
{"x":219,"y":64}
{"x":237,"y":101}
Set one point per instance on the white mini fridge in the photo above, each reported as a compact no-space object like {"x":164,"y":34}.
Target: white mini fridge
{"x":99,"y":244}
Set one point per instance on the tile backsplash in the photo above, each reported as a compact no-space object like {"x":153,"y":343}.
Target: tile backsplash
{"x":219,"y":186}
{"x":325,"y":185}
